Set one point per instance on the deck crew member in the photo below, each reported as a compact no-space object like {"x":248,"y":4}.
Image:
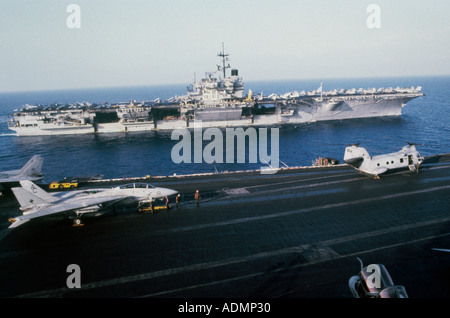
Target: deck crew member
{"x":178,"y":199}
{"x":197,"y":197}
{"x":152,"y":206}
{"x":167,"y":203}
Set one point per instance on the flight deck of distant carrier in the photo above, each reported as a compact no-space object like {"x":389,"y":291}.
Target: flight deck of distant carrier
{"x":216,"y":101}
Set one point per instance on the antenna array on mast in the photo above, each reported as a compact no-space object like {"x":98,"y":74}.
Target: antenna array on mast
{"x":224,"y":59}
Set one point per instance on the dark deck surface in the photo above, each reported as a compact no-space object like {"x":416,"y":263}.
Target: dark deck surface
{"x":293,"y":234}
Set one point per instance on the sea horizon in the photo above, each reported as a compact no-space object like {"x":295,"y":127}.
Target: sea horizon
{"x":183,"y":84}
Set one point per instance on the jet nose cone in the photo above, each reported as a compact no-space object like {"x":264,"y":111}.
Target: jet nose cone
{"x":170,"y":192}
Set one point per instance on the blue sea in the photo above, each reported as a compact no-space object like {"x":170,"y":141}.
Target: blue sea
{"x":425,"y":120}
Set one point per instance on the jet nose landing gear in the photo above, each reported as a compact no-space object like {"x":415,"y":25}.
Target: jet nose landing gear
{"x":77,"y":222}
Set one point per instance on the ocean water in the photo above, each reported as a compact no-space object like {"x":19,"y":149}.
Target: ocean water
{"x":424,"y":120}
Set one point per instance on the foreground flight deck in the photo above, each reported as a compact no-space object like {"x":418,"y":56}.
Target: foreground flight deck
{"x":293,"y":234}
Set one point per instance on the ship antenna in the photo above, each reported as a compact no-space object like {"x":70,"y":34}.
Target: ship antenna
{"x":321,"y":90}
{"x":224,"y":59}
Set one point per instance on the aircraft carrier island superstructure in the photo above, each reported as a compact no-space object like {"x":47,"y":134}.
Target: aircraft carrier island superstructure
{"x":216,"y":101}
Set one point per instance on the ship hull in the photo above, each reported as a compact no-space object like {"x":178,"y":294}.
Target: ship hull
{"x":218,"y":114}
{"x":138,"y":126}
{"x":171,"y":124}
{"x":225,"y":123}
{"x":295,"y":111}
{"x":116,"y":127}
{"x":348,"y":109}
{"x":50,"y":131}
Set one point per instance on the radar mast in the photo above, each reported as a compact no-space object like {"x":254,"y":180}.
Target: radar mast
{"x":224,"y":59}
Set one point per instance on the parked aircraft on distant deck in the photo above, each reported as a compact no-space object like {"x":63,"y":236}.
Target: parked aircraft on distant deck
{"x":30,"y":171}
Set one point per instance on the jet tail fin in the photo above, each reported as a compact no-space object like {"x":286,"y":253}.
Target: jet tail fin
{"x":37,"y":192}
{"x":26,"y":199}
{"x":33,"y":167}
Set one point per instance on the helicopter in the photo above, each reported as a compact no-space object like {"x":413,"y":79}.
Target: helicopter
{"x":407,"y":158}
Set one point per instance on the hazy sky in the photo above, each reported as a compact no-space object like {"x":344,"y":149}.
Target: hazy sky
{"x":137,"y":42}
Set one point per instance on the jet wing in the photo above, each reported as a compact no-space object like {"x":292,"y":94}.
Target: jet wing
{"x":14,"y":179}
{"x":7,"y":174}
{"x":64,"y":207}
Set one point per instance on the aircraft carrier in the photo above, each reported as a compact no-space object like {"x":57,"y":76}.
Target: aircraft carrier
{"x":217,"y":100}
{"x":293,"y":234}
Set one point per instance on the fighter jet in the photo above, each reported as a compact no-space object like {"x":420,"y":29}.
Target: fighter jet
{"x":407,"y":158}
{"x":35,"y":202}
{"x":30,"y":171}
